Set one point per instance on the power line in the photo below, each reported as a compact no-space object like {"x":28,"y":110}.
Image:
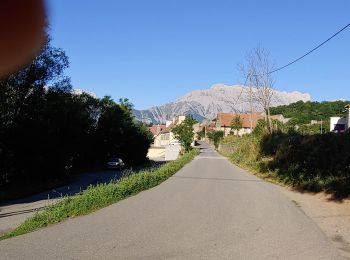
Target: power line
{"x":318,"y":46}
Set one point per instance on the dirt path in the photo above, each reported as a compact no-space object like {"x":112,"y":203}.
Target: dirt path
{"x":332,"y":216}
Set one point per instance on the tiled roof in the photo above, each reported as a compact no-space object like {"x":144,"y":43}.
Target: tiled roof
{"x":168,"y":129}
{"x":225,"y":119}
{"x":156,"y":129}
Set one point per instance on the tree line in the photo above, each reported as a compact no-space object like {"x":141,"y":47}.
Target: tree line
{"x":46,"y":130}
{"x":303,"y":112}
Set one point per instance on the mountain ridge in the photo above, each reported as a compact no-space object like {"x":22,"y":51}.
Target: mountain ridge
{"x":206,"y":103}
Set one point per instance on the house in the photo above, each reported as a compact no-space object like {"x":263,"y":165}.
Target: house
{"x":340,"y":124}
{"x":280,"y":118}
{"x":165,"y":136}
{"x":156,"y":129}
{"x":347,"y":116}
{"x":249,"y":122}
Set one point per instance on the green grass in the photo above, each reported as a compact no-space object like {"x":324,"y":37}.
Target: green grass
{"x":101,"y":196}
{"x":312,"y":163}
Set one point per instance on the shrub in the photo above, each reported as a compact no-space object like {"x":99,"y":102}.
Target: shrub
{"x":312,"y":162}
{"x":216,"y":137}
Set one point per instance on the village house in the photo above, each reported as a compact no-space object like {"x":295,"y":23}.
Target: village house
{"x":156,"y":129}
{"x":249,"y":122}
{"x":340,"y":124}
{"x":165,"y":137}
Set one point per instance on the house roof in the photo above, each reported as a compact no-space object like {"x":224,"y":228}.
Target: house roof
{"x":156,"y":129}
{"x":225,"y":119}
{"x":168,"y":129}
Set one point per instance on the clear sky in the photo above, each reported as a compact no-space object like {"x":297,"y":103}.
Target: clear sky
{"x":154,"y":51}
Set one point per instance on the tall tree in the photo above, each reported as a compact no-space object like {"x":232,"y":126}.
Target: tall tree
{"x":257,"y":70}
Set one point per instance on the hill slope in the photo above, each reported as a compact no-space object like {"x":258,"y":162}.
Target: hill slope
{"x":303,"y":113}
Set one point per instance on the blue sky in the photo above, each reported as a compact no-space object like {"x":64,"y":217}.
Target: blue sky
{"x":153,"y":52}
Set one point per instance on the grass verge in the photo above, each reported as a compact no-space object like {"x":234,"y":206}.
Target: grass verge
{"x":101,"y":196}
{"x":307,"y":163}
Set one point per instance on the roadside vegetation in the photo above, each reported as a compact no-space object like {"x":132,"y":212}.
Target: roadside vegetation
{"x":184,"y":132}
{"x":96,"y":197}
{"x":49,"y":132}
{"x":317,"y":162}
{"x":215,"y":137}
{"x":301,"y":153}
{"x":302,"y":113}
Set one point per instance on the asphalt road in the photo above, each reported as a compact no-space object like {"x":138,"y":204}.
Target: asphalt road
{"x":14,"y":212}
{"x":208,"y":210}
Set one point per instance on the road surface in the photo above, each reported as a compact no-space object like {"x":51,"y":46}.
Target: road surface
{"x":208,"y":210}
{"x":14,"y":212}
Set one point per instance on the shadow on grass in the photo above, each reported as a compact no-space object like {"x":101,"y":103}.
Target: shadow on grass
{"x":309,"y":163}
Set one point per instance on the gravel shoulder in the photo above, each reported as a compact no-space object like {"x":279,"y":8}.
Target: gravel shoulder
{"x":332,"y":216}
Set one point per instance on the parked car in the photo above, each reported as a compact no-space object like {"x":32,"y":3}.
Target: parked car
{"x":115,"y":163}
{"x":175,"y":143}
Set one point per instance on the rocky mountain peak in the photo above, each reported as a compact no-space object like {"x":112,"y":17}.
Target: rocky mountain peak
{"x":206,"y":103}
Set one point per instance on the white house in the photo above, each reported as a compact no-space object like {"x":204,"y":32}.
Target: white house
{"x":338,"y":124}
{"x":165,"y":136}
{"x":347,"y":116}
{"x":341,"y":124}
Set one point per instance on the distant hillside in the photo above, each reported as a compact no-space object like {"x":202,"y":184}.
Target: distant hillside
{"x":303,"y":113}
{"x":205,"y":104}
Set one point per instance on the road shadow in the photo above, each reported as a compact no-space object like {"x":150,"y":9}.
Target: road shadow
{"x":82,"y":182}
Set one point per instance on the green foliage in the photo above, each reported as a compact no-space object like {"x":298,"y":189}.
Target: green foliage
{"x":246,"y":150}
{"x":101,"y":196}
{"x":184,"y":132}
{"x":47,"y":131}
{"x":312,"y":162}
{"x":303,"y":113}
{"x":201,"y":134}
{"x":216,"y":137}
{"x":237,"y":123}
{"x":261,"y":128}
{"x":308,"y":129}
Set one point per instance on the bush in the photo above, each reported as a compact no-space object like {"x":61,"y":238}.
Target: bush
{"x":216,"y":137}
{"x":311,"y":162}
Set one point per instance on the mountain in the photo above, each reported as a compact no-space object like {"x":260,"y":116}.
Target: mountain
{"x":78,"y":91}
{"x":205,"y":104}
